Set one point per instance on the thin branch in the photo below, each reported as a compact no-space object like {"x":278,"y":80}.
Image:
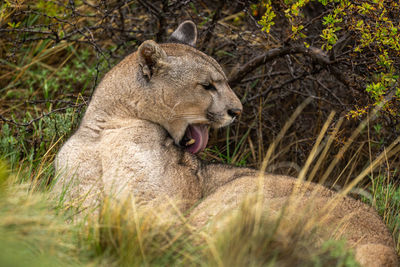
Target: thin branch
{"x":162,"y":22}
{"x":269,"y":89}
{"x":214,"y":21}
{"x":316,"y":54}
{"x":150,"y":7}
{"x":40,"y":117}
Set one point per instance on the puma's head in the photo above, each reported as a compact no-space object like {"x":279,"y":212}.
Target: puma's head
{"x":190,"y":88}
{"x":173,"y":85}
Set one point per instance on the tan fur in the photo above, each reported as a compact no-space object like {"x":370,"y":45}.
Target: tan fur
{"x":126,"y":145}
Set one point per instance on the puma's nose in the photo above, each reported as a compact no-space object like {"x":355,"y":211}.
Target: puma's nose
{"x":234,"y":112}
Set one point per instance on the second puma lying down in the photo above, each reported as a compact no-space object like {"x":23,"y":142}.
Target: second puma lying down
{"x":147,"y":118}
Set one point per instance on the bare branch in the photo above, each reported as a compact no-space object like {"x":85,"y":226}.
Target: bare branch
{"x":316,"y":54}
{"x":40,"y":117}
{"x":214,"y":21}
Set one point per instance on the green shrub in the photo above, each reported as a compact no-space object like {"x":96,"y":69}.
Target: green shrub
{"x":375,"y":27}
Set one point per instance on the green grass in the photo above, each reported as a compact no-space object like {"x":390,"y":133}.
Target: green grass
{"x":386,"y":200}
{"x":227,"y":155}
{"x":31,"y":234}
{"x":21,"y":146}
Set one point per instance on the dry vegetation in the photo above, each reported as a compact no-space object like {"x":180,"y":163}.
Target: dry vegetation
{"x":54,"y":53}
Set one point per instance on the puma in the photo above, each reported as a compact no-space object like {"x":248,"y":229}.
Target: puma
{"x":148,"y":118}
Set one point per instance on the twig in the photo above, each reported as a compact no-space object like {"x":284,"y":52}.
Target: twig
{"x":269,"y":89}
{"x":276,"y":73}
{"x":214,"y":21}
{"x":241,"y":72}
{"x":327,"y":89}
{"x":162,"y":22}
{"x":40,"y":117}
{"x":150,"y":7}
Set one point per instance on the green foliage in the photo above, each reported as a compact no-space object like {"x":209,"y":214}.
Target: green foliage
{"x":373,"y":28}
{"x":18,"y":145}
{"x":59,"y":124}
{"x":50,"y":8}
{"x":267,"y":19}
{"x":329,"y":33}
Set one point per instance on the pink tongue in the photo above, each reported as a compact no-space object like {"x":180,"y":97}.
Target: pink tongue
{"x":199,"y":133}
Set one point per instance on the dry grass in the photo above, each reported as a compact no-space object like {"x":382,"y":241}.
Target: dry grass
{"x":123,"y":234}
{"x":132,"y":236}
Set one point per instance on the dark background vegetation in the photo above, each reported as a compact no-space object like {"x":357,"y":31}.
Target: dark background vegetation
{"x":54,"y":53}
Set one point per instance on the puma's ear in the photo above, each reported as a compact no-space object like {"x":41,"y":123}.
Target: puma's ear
{"x":186,"y":33}
{"x":149,"y":53}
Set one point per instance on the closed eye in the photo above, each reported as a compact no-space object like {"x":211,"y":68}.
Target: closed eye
{"x":209,"y":87}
